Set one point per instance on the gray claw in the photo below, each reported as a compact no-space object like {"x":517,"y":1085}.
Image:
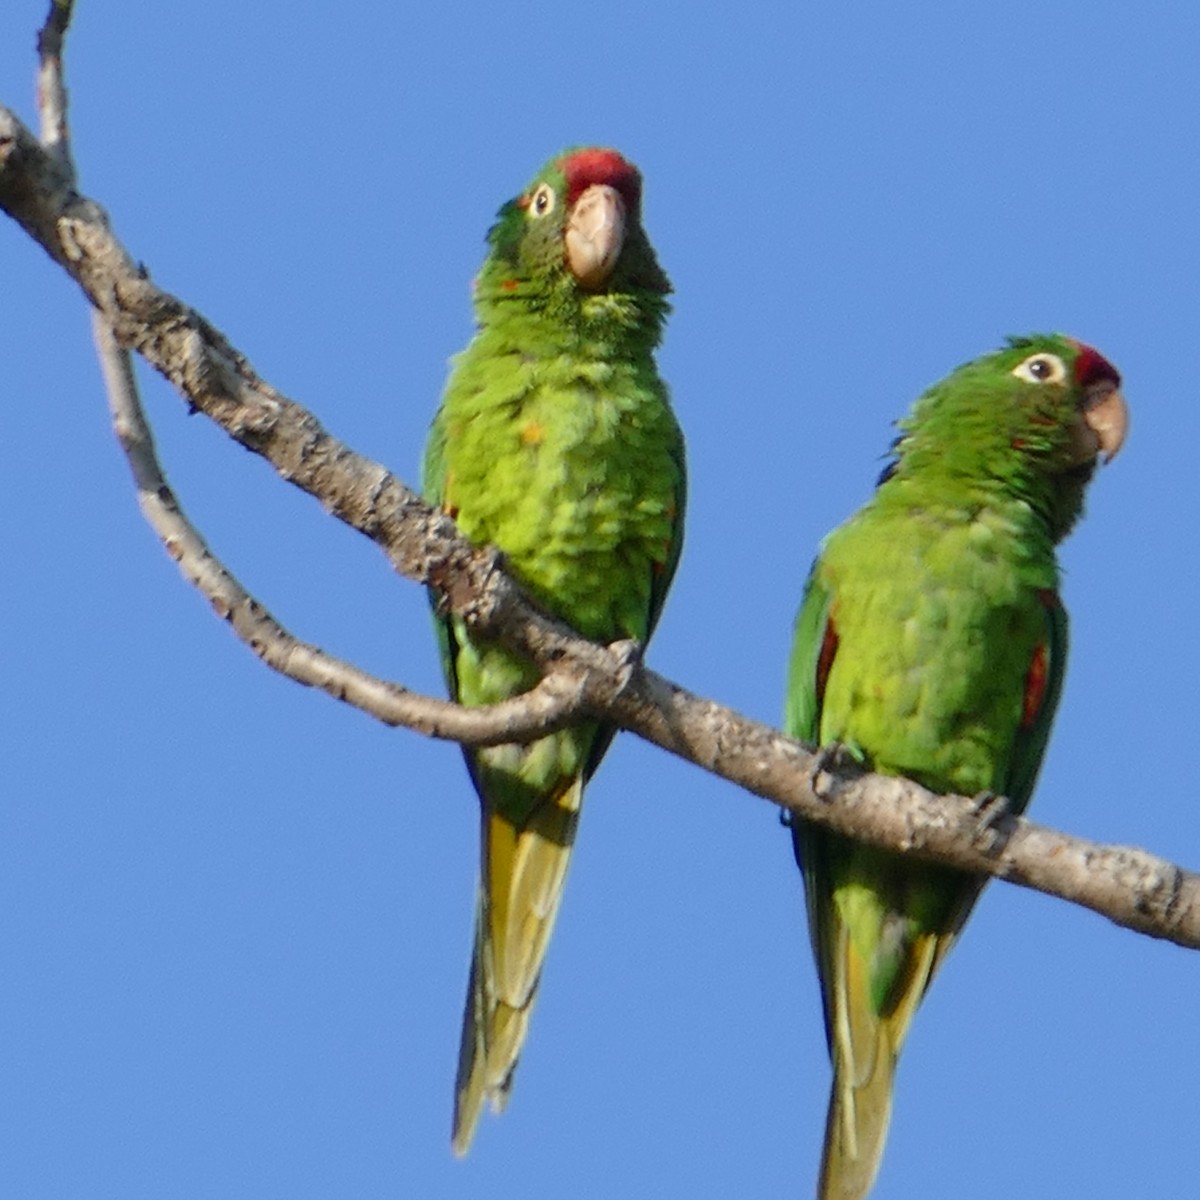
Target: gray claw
{"x":827,"y":760}
{"x":989,"y":821}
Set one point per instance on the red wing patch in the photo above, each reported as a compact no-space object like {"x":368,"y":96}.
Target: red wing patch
{"x":829,"y":645}
{"x":1037,"y":677}
{"x":1035,"y":687}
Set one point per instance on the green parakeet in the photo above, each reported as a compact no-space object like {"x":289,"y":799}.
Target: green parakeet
{"x":556,"y":443}
{"x":930,"y":643}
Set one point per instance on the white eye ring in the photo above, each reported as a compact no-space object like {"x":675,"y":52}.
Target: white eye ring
{"x":541,"y":203}
{"x":1041,"y":368}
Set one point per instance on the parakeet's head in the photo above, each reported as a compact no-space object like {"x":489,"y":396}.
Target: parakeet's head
{"x":1035,"y":417}
{"x":573,"y":242}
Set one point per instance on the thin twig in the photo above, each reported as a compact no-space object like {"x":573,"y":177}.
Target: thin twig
{"x":552,"y":704}
{"x":51,"y":88}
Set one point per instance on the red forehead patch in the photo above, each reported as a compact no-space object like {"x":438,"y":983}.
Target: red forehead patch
{"x":1091,"y":367}
{"x":596,"y":165}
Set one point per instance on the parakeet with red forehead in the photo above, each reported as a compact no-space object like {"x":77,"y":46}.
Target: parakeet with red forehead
{"x":931,"y":643}
{"x":556,"y":443}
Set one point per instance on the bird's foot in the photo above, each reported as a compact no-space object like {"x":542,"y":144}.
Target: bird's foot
{"x":827,"y":762}
{"x":628,"y":653}
{"x":989,"y":817}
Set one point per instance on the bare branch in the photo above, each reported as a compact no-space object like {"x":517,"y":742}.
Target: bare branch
{"x":1129,"y":886}
{"x":551,"y":705}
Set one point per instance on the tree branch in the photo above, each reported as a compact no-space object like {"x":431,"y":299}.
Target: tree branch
{"x":551,"y":705}
{"x":1131,"y":887}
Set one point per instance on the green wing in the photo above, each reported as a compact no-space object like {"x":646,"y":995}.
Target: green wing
{"x":873,"y":958}
{"x":1042,"y":691}
{"x":660,"y":584}
{"x":802,"y":707}
{"x":880,"y":924}
{"x":802,"y":720}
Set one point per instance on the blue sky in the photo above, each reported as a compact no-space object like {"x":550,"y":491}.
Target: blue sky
{"x":235,"y":916}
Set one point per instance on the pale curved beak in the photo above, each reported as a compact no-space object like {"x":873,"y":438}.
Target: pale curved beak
{"x":595,"y":234}
{"x":1107,"y":416}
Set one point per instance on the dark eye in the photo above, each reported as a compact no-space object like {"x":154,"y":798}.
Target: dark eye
{"x":542,"y":200}
{"x":1041,"y":368}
